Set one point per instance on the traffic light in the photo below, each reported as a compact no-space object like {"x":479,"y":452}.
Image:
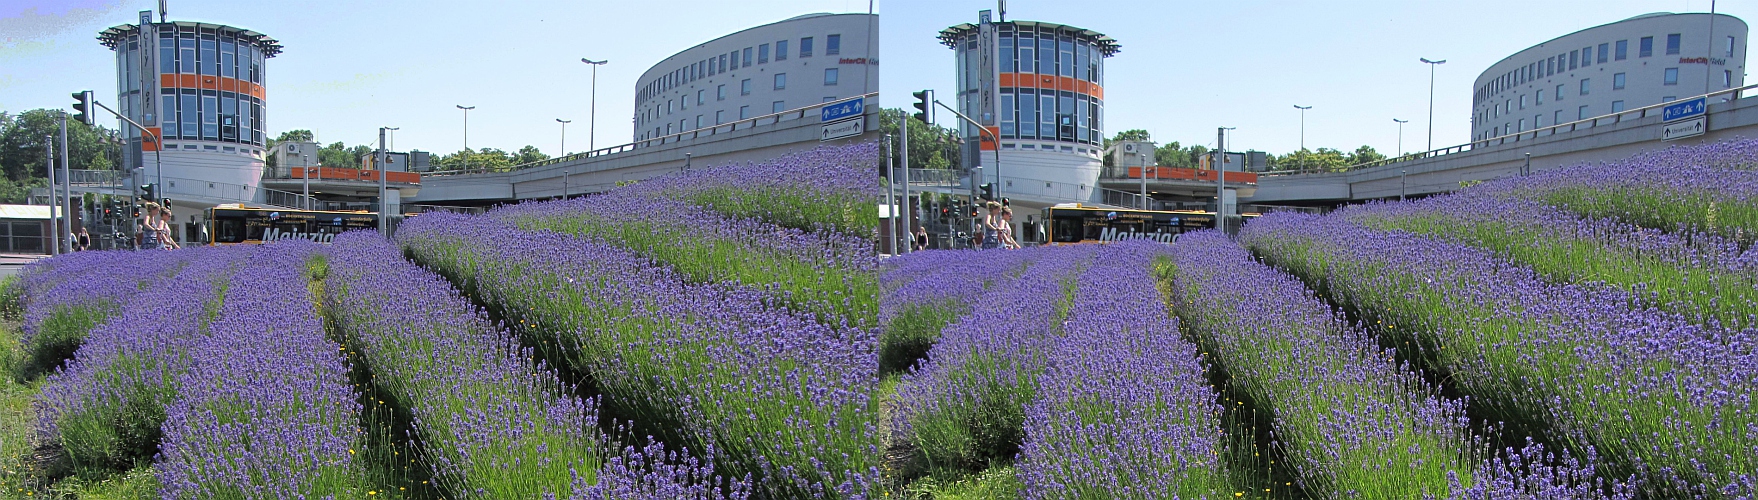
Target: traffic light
{"x":133,"y":210}
{"x":925,"y":106}
{"x":148,"y":190}
{"x":82,"y":102}
{"x":1006,"y":203}
{"x":974,"y":213}
{"x":988,"y":190}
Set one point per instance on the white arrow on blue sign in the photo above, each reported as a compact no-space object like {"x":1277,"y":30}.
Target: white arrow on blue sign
{"x":843,"y":109}
{"x":1682,"y":110}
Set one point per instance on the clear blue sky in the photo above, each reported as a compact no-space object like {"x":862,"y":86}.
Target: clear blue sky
{"x":1189,"y":67}
{"x":353,"y":66}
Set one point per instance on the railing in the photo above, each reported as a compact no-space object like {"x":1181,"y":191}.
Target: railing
{"x":1175,"y":174}
{"x":96,"y":177}
{"x":1605,"y":119}
{"x":746,"y":123}
{"x":936,"y":177}
{"x":340,"y":174}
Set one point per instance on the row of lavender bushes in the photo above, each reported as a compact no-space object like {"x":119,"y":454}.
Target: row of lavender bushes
{"x":64,"y":299}
{"x":830,"y":270}
{"x":491,"y":421}
{"x":1584,"y":366}
{"x":727,"y":371}
{"x":928,"y":291}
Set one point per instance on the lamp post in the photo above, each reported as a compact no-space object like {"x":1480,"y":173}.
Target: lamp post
{"x":1302,"y":124}
{"x":305,"y":173}
{"x":564,"y":150}
{"x":1431,"y":65}
{"x":466,"y":124}
{"x":1401,"y":135}
{"x":592,"y":119}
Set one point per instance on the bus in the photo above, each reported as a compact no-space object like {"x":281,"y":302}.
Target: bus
{"x":234,"y":223}
{"x":1071,"y":223}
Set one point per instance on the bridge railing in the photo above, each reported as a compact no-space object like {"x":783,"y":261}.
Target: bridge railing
{"x":1590,"y":122}
{"x":722,"y":128}
{"x":935,"y":177}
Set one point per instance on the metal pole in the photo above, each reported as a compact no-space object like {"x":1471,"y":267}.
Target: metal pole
{"x":1144,"y":182}
{"x":1402,"y":174}
{"x":1431,"y":65}
{"x":981,"y":130}
{"x":1221,"y":175}
{"x":565,"y":184}
{"x":49,"y":155}
{"x":65,"y":233}
{"x":384,"y":204}
{"x":592,"y":118}
{"x":903,"y":139}
{"x":1401,"y":135}
{"x":908,"y":215}
{"x":305,"y":173}
{"x":564,"y":150}
{"x":891,"y":198}
{"x":1709,"y":69}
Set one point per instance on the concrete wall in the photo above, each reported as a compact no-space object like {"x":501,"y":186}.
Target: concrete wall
{"x":600,"y":173}
{"x":1606,"y":142}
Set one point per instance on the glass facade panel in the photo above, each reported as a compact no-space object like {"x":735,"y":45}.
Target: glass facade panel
{"x":1046,"y":115}
{"x":1065,"y":57}
{"x":1047,"y":56}
{"x":1007,"y":114}
{"x":190,"y":111}
{"x":1028,"y":114}
{"x":1007,"y":61}
{"x":1027,"y":61}
{"x":186,"y":55}
{"x":210,"y":118}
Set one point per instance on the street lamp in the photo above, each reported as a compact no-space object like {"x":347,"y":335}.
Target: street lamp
{"x":1431,"y":65}
{"x":466,"y":124}
{"x":1302,"y":124}
{"x":592,"y":120}
{"x":564,"y":123}
{"x":305,"y":173}
{"x":1401,"y":135}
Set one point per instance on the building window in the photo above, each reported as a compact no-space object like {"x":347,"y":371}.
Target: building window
{"x":720,"y":92}
{"x":763,"y":53}
{"x":780,"y":81}
{"x":668,"y":105}
{"x":1672,"y":77}
{"x":1617,"y":81}
{"x":1522,"y":126}
{"x":747,"y":61}
{"x":700,"y":94}
{"x":776,"y":107}
{"x":832,"y":45}
{"x":1668,"y":98}
{"x":1604,"y":52}
{"x":735,"y":59}
{"x":1556,"y":117}
{"x":829,"y":98}
{"x":1538,"y":99}
{"x":668,"y":129}
{"x":1584,"y":82}
{"x":719,"y":117}
{"x":1645,"y":47}
{"x":745,"y":87}
{"x":1522,"y":102}
{"x":830,"y":76}
{"x":723,"y":67}
{"x":1581,"y":113}
{"x":745,"y":112}
{"x":1730,"y":47}
{"x":1559,"y":93}
{"x":1727,"y":78}
{"x":698,"y":121}
{"x":1587,"y":56}
{"x":806,"y":47}
{"x":781,"y":50}
{"x":1537,"y":121}
{"x":1623,"y":50}
{"x":1617,"y":106}
{"x":1672,"y":44}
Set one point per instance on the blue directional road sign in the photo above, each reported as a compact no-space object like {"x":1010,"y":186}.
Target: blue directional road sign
{"x":844,"y":109}
{"x":1682,"y":110}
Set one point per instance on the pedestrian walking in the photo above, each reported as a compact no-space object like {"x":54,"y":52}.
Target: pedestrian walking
{"x":82,"y":241}
{"x":1007,"y":240}
{"x":148,"y":238}
{"x":992,"y":226}
{"x":165,"y":218}
{"x":921,"y":238}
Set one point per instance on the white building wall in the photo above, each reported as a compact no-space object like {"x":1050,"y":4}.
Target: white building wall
{"x":674,"y":108}
{"x":1513,"y":96}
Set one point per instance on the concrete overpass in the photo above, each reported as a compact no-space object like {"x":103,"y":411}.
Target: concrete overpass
{"x":754,"y":139}
{"x":1598,"y":139}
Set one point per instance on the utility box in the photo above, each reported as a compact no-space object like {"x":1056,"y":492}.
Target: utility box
{"x":1132,"y":154}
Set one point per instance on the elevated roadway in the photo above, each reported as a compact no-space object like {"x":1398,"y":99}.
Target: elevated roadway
{"x":1599,"y":139}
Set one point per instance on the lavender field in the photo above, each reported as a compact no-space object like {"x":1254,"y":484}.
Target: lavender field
{"x":1585,"y":332}
{"x":703,"y":335}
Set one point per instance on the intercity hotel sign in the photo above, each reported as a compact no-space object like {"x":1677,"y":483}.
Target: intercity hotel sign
{"x":1703,"y":60}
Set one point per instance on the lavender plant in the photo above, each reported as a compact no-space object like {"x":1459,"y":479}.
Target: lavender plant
{"x":65,"y":297}
{"x":267,"y":410}
{"x":964,"y":408}
{"x":1124,"y":409}
{"x":1650,"y":392}
{"x":1704,"y":277}
{"x":756,"y":388}
{"x":826,"y":188}
{"x":925,"y":291}
{"x":105,"y":406}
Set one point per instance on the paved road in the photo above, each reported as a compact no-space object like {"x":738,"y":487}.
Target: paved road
{"x":11,"y":264}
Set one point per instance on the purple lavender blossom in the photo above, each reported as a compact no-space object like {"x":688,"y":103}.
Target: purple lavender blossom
{"x":711,"y":367}
{"x":1648,"y":391}
{"x":824,"y":188}
{"x":1123,"y":408}
{"x":66,"y":296}
{"x":267,"y":410}
{"x":924,"y":291}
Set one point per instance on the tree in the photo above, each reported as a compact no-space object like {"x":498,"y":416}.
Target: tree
{"x":1365,"y":154}
{"x":300,"y":135}
{"x":931,"y":146}
{"x":528,"y":154}
{"x":21,"y":150}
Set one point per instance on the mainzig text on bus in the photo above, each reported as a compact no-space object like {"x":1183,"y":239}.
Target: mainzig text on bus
{"x":272,"y":234}
{"x":1112,"y":234}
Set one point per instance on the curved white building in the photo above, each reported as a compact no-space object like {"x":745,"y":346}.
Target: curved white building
{"x":1039,"y":87}
{"x":794,"y":63}
{"x":1643,"y":60}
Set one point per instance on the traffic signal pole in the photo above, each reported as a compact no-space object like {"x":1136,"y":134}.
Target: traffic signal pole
{"x":158,"y":168}
{"x":64,"y":232}
{"x":981,"y":132}
{"x":49,"y":157}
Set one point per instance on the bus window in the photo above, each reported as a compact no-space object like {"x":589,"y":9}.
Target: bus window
{"x":228,"y":230}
